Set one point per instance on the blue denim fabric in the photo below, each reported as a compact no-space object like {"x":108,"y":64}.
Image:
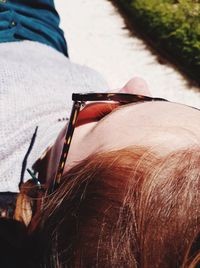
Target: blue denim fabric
{"x":35,"y":20}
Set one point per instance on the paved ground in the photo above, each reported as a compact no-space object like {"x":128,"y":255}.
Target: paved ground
{"x":97,"y":37}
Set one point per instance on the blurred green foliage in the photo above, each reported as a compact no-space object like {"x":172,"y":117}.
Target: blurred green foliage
{"x":173,"y":25}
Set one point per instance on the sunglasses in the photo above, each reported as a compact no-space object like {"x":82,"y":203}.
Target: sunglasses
{"x":89,"y":108}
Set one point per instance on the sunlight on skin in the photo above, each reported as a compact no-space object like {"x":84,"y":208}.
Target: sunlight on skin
{"x":163,"y":126}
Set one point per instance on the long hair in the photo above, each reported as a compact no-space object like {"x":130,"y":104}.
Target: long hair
{"x":124,"y":208}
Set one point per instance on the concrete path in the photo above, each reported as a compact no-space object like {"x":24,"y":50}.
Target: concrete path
{"x":97,"y":37}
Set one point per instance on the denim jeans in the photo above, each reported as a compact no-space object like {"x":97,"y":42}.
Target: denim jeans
{"x":35,"y":20}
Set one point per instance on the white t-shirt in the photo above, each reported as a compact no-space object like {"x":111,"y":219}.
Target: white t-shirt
{"x":36,"y":84}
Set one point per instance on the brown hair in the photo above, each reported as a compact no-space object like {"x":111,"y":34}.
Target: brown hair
{"x":124,"y":208}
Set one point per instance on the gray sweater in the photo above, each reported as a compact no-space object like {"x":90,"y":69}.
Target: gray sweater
{"x":36,"y":84}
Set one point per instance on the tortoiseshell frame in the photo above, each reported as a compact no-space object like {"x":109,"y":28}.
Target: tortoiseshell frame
{"x":79,"y":101}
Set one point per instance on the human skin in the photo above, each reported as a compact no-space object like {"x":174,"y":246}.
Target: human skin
{"x":162,"y":126}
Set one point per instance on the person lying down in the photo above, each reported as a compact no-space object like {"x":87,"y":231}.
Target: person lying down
{"x":115,"y":183}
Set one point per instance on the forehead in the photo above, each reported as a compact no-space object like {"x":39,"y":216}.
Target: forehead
{"x":158,"y":113}
{"x":155,"y":122}
{"x":162,"y":126}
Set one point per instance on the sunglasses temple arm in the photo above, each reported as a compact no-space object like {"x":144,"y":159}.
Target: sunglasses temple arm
{"x":68,"y":138}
